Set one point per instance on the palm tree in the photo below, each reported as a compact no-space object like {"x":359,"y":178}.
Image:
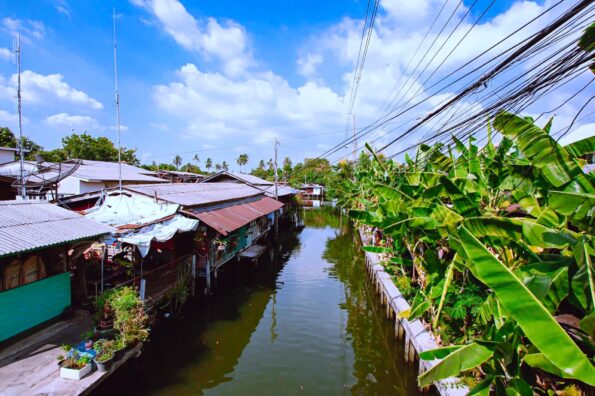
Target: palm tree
{"x":242,"y":160}
{"x":196,"y":159}
{"x":218,"y":167}
{"x":225,"y":166}
{"x":209,"y":164}
{"x":177,"y":161}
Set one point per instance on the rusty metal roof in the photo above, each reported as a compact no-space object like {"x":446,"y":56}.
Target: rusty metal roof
{"x":196,"y":194}
{"x":31,"y":225}
{"x":230,"y":218}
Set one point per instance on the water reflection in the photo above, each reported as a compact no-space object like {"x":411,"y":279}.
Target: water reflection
{"x":304,"y":322}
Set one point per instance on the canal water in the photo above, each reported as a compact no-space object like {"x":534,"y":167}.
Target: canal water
{"x":304,"y":322}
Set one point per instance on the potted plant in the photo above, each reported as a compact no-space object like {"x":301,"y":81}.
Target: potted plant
{"x":88,"y":339}
{"x":61,"y":358}
{"x":130,"y":316}
{"x":75,"y":366}
{"x":119,"y":347}
{"x":105,"y":351}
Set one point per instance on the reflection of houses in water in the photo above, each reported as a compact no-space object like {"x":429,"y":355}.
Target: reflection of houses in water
{"x":41,"y":245}
{"x":312,"y":194}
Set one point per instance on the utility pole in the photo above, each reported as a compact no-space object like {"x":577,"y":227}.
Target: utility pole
{"x":117,"y":104}
{"x":21,"y":148}
{"x":354,"y":142}
{"x":276,"y":174}
{"x":276,"y":190}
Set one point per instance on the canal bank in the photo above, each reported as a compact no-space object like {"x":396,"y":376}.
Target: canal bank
{"x":305,"y":321}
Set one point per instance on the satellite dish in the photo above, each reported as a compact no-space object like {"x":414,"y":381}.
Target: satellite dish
{"x":45,"y":177}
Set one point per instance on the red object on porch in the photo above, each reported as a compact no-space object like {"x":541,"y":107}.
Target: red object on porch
{"x":228,"y":219}
{"x":167,"y":245}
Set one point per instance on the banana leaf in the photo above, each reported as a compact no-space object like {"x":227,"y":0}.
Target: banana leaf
{"x":539,"y":361}
{"x":532,"y":233}
{"x":439,"y":353}
{"x":533,"y":318}
{"x":582,"y":147}
{"x":461,"y":359}
{"x":577,"y":206}
{"x":377,"y":249}
{"x":461,"y":202}
{"x":558,"y":167}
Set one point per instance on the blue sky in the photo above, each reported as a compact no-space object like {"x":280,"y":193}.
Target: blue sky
{"x":217,"y":77}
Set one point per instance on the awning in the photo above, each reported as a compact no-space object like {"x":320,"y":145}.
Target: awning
{"x":228,"y":219}
{"x":125,"y":210}
{"x":159,"y":232}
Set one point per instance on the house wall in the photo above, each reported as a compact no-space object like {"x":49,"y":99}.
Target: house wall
{"x":6,"y":156}
{"x":29,"y":305}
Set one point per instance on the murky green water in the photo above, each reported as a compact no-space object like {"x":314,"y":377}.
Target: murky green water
{"x":304,"y":323}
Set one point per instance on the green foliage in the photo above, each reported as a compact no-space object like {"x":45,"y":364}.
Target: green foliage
{"x":8,"y":139}
{"x":130,"y":316}
{"x":497,"y":241}
{"x":85,"y":146}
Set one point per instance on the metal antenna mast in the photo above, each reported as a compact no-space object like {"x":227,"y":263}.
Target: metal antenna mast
{"x":20,"y":143}
{"x":117,"y":104}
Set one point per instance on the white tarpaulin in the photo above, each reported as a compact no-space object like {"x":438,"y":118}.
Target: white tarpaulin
{"x":159,"y":232}
{"x":125,"y":208}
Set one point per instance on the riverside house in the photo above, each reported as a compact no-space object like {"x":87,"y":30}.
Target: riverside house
{"x":159,"y":227}
{"x":40,"y":246}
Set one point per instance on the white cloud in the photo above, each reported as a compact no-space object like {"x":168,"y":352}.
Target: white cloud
{"x":26,"y":28}
{"x":38,"y":88}
{"x":63,"y":8}
{"x":227,"y":42}
{"x":75,"y":122}
{"x":245,"y":106}
{"x":263,"y":106}
{"x":308,"y":64}
{"x":7,"y":118}
{"x":5,"y":54}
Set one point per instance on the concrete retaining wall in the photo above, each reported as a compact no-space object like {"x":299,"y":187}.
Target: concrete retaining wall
{"x":412,"y":332}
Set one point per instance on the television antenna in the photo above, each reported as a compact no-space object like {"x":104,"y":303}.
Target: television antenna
{"x":117,"y":93}
{"x":17,"y":52}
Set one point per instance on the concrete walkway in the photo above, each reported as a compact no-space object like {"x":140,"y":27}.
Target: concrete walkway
{"x":29,"y":367}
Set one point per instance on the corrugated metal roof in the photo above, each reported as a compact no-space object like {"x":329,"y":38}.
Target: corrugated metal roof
{"x":281,"y":191}
{"x":88,"y":170}
{"x":242,"y":177}
{"x":30,"y":225}
{"x":196,"y":194}
{"x":230,"y":218}
{"x":108,"y":171}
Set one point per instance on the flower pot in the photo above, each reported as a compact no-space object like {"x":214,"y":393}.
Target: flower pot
{"x":75,"y":374}
{"x":106,"y":365}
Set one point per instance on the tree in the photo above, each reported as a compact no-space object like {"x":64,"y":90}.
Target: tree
{"x":209,"y":164}
{"x":196,"y":158}
{"x":190,"y":168}
{"x":8,"y":139}
{"x":286,"y":168}
{"x":218,"y":167}
{"x":85,"y":146}
{"x":225,"y":166}
{"x":242,"y":160}
{"x":177,"y":161}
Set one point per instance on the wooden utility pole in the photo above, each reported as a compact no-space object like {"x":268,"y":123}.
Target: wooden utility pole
{"x":354,"y":141}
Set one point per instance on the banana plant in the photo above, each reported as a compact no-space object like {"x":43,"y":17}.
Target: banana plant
{"x":514,"y":224}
